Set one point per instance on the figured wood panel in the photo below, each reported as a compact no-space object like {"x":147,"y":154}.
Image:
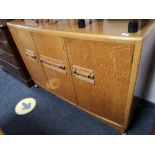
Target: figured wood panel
{"x":96,"y":30}
{"x":111,"y":64}
{"x":24,"y":43}
{"x":51,"y":48}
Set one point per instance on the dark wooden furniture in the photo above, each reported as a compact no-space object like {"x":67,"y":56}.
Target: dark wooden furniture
{"x":153,"y":131}
{"x":10,"y":59}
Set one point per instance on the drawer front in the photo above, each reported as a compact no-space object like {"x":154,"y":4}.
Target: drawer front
{"x":8,"y":57}
{"x":9,"y":67}
{"x":55,"y":63}
{"x":26,"y":48}
{"x":2,"y":37}
{"x":3,"y":42}
{"x":101,"y":75}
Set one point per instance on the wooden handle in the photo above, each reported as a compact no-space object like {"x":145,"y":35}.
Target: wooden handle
{"x":84,"y":74}
{"x":30,"y":54}
{"x":52,"y":63}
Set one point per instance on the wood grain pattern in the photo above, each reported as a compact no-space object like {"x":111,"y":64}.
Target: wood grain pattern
{"x":110,"y":30}
{"x":133,"y":77}
{"x":52,"y":47}
{"x":24,"y":42}
{"x":111,"y":63}
{"x":106,"y":63}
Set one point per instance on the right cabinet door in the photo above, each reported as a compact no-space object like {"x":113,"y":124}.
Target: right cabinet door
{"x":101,"y":74}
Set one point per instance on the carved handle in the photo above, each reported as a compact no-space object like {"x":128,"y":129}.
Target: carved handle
{"x":84,"y":74}
{"x":30,"y":54}
{"x":52,"y":63}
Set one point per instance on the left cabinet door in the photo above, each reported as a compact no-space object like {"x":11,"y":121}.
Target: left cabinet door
{"x":27,"y":50}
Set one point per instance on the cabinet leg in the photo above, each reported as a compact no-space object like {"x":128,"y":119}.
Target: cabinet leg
{"x":36,"y":86}
{"x":124,"y":133}
{"x":29,"y":83}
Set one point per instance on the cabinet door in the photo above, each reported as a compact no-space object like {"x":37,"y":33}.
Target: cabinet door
{"x":101,"y":74}
{"x":26,"y":47}
{"x":55,"y":63}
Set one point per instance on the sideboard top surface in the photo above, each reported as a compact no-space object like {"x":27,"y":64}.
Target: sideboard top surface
{"x":97,"y":29}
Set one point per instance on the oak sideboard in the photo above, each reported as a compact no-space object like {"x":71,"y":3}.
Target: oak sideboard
{"x":94,"y":68}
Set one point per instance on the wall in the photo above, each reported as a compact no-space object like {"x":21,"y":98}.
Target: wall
{"x":145,"y":85}
{"x":150,"y":87}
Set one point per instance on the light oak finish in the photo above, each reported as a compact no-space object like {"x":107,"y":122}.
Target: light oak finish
{"x":94,"y":68}
{"x":110,"y":30}
{"x":133,"y":77}
{"x":56,"y":65}
{"x":27,"y":50}
{"x":111,"y":63}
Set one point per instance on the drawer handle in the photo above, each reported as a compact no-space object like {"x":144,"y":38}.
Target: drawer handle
{"x":52,"y":63}
{"x":84,"y":74}
{"x":30,"y":54}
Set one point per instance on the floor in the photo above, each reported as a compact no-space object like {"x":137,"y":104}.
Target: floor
{"x":54,"y":116}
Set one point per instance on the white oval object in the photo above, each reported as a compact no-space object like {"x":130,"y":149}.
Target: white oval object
{"x":25,"y":106}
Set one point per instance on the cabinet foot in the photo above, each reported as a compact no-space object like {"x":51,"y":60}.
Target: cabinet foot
{"x":36,"y":86}
{"x":124,"y":133}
